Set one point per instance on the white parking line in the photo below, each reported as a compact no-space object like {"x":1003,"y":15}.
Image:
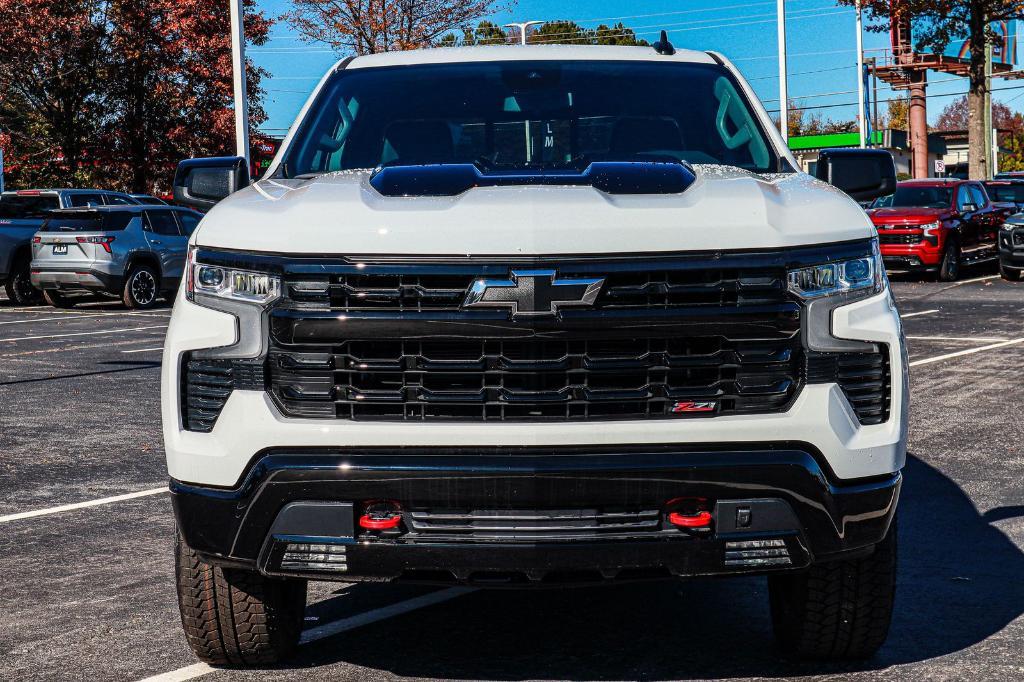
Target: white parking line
{"x":971,"y":281}
{"x":61,"y":336}
{"x":969,"y":351}
{"x":78,"y":311}
{"x":142,"y":350}
{"x":330,"y":629}
{"x":966,"y":339}
{"x":923,"y":312}
{"x":81,"y":505}
{"x":62,"y":318}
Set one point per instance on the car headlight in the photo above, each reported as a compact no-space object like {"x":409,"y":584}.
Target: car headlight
{"x":845,"y":276}
{"x":1008,"y":226}
{"x":259,"y":288}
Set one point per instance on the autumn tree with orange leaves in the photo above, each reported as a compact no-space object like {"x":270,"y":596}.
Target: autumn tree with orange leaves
{"x":113,"y":93}
{"x":369,"y":26}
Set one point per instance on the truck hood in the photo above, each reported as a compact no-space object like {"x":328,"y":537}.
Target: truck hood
{"x":341,"y":214}
{"x":906,"y":215}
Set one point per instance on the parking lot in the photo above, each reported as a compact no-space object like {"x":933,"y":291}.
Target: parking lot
{"x":87,"y":590}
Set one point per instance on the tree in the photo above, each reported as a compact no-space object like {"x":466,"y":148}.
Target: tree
{"x":370,"y":26}
{"x":898,"y":114}
{"x":115,"y":92}
{"x":569,"y":32}
{"x":486,"y":33}
{"x":956,"y":116}
{"x":936,"y":23}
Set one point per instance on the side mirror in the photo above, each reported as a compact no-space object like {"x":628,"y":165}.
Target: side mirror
{"x":201,"y":183}
{"x":864,"y":174}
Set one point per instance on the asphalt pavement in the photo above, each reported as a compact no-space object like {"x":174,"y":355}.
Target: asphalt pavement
{"x":86,"y":531}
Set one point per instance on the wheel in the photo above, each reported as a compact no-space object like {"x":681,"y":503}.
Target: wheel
{"x":57,"y":300}
{"x":838,"y":610}
{"x":140,"y":287}
{"x":1008,"y":273}
{"x":19,"y":285}
{"x":237,"y":617}
{"x":951,"y":257}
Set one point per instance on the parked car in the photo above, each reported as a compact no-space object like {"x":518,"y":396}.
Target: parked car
{"x":565,"y":314}
{"x":21,"y":214}
{"x":937,"y":225}
{"x":1011,"y":248}
{"x":133,"y":252}
{"x":1009,"y":192}
{"x":149,"y":199}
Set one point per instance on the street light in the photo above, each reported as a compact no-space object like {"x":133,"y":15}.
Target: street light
{"x":521,"y":27}
{"x":238,"y":72}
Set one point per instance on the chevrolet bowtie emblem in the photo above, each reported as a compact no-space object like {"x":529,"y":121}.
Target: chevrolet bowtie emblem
{"x":533,"y":292}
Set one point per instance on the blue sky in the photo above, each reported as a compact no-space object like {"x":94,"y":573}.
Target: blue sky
{"x":821,"y":40}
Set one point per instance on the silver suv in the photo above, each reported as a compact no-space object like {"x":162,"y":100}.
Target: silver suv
{"x":133,"y":252}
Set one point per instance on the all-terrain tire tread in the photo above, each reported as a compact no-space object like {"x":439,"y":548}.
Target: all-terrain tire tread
{"x":237,"y":617}
{"x":838,"y":610}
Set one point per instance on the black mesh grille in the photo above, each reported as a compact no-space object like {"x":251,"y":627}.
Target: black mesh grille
{"x":898,"y":238}
{"x":621,"y":290}
{"x":1018,"y":237}
{"x":531,"y":525}
{"x":206,"y":385}
{"x":534,"y":378}
{"x":864,"y":378}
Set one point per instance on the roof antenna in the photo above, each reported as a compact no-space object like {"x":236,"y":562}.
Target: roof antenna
{"x":663,"y":46}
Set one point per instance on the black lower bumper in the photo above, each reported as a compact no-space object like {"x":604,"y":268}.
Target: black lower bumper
{"x":774,"y":507}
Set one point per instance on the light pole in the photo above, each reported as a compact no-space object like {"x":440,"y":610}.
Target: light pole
{"x":861,"y":127}
{"x":783,"y":85}
{"x":521,"y":27}
{"x":238,"y":72}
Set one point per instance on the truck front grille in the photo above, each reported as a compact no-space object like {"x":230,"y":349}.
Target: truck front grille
{"x":535,"y":378}
{"x":884,"y":238}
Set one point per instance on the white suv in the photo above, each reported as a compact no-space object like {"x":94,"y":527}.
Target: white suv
{"x":534,"y":315}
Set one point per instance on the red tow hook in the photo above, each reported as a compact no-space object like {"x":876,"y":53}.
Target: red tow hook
{"x":701,"y":519}
{"x":381,"y":516}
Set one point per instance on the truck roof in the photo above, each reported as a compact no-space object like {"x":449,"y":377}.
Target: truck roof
{"x":451,"y":55}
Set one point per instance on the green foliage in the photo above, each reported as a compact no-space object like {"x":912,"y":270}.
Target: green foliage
{"x":553,"y":32}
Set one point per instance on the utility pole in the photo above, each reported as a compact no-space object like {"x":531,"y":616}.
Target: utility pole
{"x":783,"y":85}
{"x":861,"y":123}
{"x":238,"y":71}
{"x":989,"y":133}
{"x":521,"y":27}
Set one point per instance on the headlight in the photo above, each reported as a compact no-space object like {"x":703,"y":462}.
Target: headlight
{"x":855,"y":274}
{"x":1008,"y":226}
{"x":248,"y":286}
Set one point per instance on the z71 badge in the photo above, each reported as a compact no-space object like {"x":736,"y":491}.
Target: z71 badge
{"x":691,"y":406}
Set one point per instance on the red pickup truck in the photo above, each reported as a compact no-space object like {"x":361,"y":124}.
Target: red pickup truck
{"x":937,"y":225}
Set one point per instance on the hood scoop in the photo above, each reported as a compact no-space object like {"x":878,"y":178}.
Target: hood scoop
{"x":612,"y":177}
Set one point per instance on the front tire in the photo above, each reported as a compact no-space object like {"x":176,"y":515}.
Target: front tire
{"x":839,"y":610}
{"x":19,"y":287}
{"x":1009,"y":274}
{"x":952,"y":259}
{"x":141,"y":288}
{"x":237,"y":617}
{"x":56,"y":299}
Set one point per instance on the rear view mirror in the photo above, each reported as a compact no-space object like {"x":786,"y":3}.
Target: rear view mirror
{"x":201,"y":183}
{"x":864,"y":174}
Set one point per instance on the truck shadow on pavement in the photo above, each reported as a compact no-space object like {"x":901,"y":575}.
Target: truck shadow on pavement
{"x":959,"y":583}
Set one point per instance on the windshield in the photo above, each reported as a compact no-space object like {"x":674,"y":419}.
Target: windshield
{"x":917,"y":197}
{"x":1011,"y":193}
{"x":108,"y":221}
{"x":20,"y":207}
{"x":529,"y":115}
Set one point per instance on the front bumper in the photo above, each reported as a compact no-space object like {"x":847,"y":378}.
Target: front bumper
{"x":1011,"y":247}
{"x":920,"y":256}
{"x":794,"y":506}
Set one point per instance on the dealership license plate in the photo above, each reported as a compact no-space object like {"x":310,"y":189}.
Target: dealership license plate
{"x":59,"y":249}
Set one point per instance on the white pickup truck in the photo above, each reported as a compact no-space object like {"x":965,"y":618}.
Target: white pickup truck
{"x":524,"y":316}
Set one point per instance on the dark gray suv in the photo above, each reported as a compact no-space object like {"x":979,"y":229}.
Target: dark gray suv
{"x":133,"y":252}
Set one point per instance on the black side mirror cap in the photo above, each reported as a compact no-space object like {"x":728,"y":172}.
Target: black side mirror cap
{"x":201,"y":183}
{"x":864,"y":174}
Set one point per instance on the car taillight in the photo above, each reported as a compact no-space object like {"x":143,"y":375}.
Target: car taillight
{"x":102,"y":241}
{"x":36,"y":239}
